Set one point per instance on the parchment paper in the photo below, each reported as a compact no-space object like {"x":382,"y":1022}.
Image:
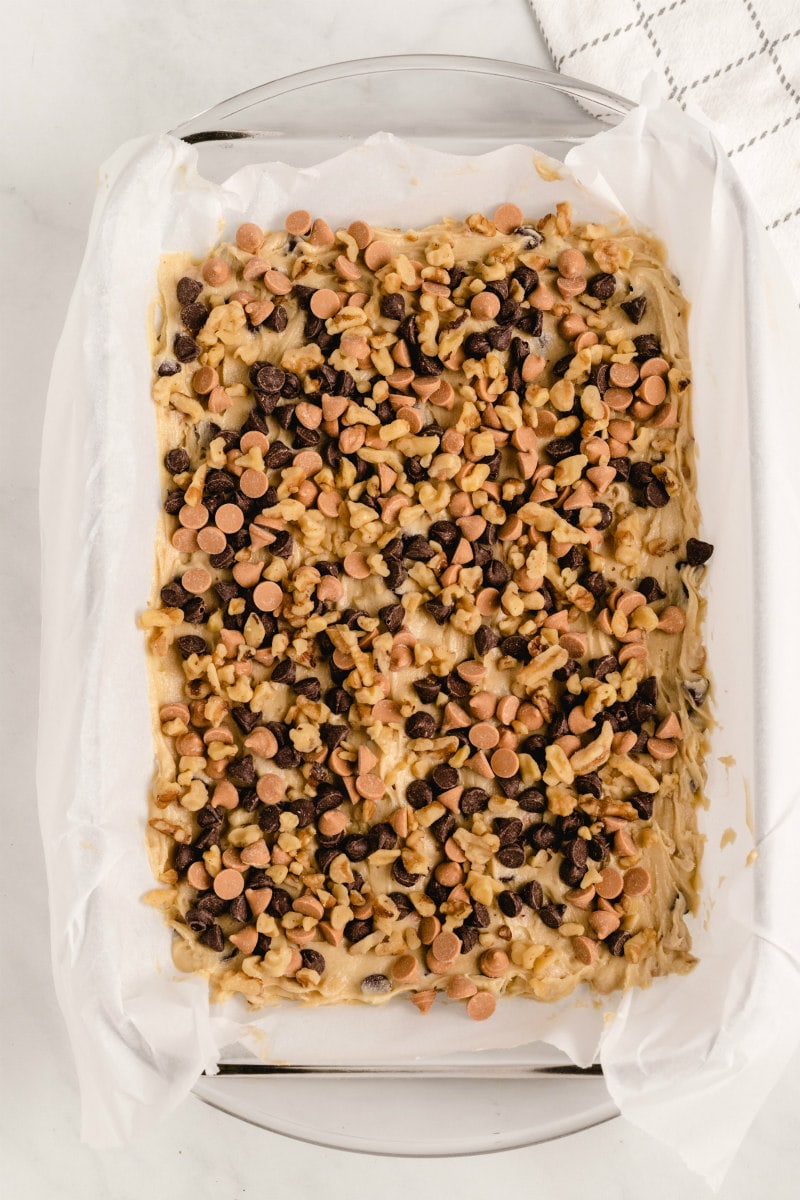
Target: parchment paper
{"x":692,"y":1058}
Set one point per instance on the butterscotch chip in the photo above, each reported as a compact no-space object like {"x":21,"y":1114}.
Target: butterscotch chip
{"x":508,"y":217}
{"x":356,"y":565}
{"x":637,"y":882}
{"x":377,"y":254}
{"x":405,"y":969}
{"x":249,"y":237}
{"x":446,"y":947}
{"x":460,"y":987}
{"x":193,"y":516}
{"x":267,"y":596}
{"x":361,"y":234}
{"x":325,"y":303}
{"x":481,"y":1006}
{"x":298,"y":222}
{"x":228,"y":884}
{"x":196,"y":580}
{"x":229,"y":518}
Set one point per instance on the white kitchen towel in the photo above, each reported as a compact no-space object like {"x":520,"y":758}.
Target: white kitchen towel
{"x":737,"y":60}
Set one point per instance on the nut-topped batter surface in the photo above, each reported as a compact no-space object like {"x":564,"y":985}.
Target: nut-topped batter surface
{"x":425,"y":642}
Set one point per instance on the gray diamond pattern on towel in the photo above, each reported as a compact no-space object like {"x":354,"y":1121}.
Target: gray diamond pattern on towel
{"x":736,"y":60}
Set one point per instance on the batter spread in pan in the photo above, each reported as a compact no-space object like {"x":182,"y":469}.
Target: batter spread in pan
{"x":425,"y":639}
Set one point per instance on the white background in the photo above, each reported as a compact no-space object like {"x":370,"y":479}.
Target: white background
{"x":81,"y":77}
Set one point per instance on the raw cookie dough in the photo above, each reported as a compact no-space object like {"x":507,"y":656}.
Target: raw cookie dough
{"x":425,"y":637}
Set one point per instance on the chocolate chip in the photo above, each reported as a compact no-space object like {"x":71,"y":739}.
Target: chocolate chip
{"x":209,"y":816}
{"x":212,"y":903}
{"x":515,"y":646}
{"x":576,"y":851}
{"x":622,"y":466}
{"x":635,"y":308}
{"x":647,"y":346}
{"x":213,"y":938}
{"x":643,"y":803}
{"x":480,"y":916}
{"x":325,"y":856}
{"x":544,"y":837}
{"x":594,"y":582}
{"x":402,"y":903}
{"x":606,"y":515}
{"x":511,"y":857}
{"x":495,"y":574}
{"x":607,"y":665}
{"x":313,"y":960}
{"x":267,"y":378}
{"x":616,"y":942}
{"x":183,"y":858}
{"x":456,"y":687}
{"x":174,"y":595}
{"x":283,"y":544}
{"x":552,"y":915}
{"x":473,"y":800}
{"x":286,"y":758}
{"x":445,"y":777}
{"x":420,"y":725}
{"x":186,"y":348}
{"x":195,"y":611}
{"x":476,"y":345}
{"x":468,"y":936}
{"x":509,"y":904}
{"x":499,"y":336}
{"x":532,"y":801}
{"x":190,"y":644}
{"x":570,"y":874}
{"x":589,"y":785}
{"x":419,"y":793}
{"x":284,"y":671}
{"x":223,"y":560}
{"x":373,"y":985}
{"x":198,"y":920}
{"x":444,"y":827}
{"x":531,"y":234}
{"x":382,"y":837}
{"x":310,"y":688}
{"x":601,"y":286}
{"x":278,"y":319}
{"x":239,"y":909}
{"x":280,"y":903}
{"x":393,"y":616}
{"x":393,"y":307}
{"x":187,"y":290}
{"x":356,"y":848}
{"x":558,"y":448}
{"x":338,"y":700}
{"x":485,"y":640}
{"x":698,"y":552}
{"x":355,"y":931}
{"x":531,"y":894}
{"x":441,"y":613}
{"x":655,"y":494}
{"x":177,"y":461}
{"x":396,"y":576}
{"x":419,"y":549}
{"x":650,"y":589}
{"x":508,"y":829}
{"x":532,"y":322}
{"x":194,"y":317}
{"x":242,"y":771}
{"x":510,"y":313}
{"x":526,"y":277}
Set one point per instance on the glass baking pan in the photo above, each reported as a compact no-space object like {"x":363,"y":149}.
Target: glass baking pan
{"x":493,"y":1100}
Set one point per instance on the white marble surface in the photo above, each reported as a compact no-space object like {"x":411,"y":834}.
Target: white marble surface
{"x":79,"y":79}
